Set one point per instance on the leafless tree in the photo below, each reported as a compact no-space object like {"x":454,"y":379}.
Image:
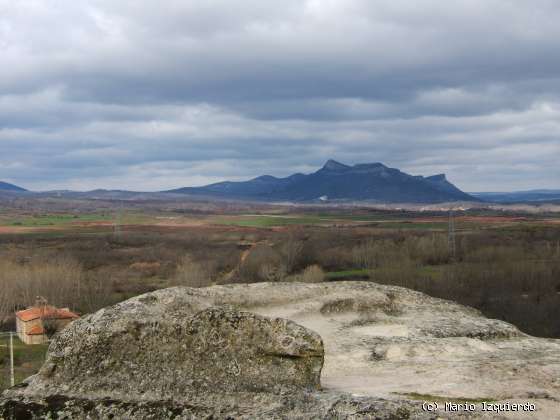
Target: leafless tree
{"x":58,"y":280}
{"x":312,"y":274}
{"x":292,"y":250}
{"x":95,"y":293}
{"x":191,"y":273}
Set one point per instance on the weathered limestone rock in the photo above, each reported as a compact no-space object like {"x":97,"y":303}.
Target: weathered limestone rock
{"x":115,"y":355}
{"x":317,"y":406}
{"x":256,"y":351}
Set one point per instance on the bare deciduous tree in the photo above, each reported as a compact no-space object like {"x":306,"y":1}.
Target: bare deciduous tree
{"x":58,"y":280}
{"x":191,"y":273}
{"x":95,"y":293}
{"x":312,"y":274}
{"x":271,"y":272}
{"x":291,"y":250}
{"x":263,"y":263}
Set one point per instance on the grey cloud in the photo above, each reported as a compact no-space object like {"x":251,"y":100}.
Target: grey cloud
{"x":183,"y":92}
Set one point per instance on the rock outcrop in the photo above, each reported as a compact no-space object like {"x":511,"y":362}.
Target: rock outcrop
{"x":256,"y":351}
{"x":113,"y":355}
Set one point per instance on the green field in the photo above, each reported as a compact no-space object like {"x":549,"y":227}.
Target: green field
{"x":427,"y":271}
{"x":271,"y":221}
{"x":348,"y":274}
{"x":38,"y":220}
{"x":66,"y":220}
{"x":265,"y":221}
{"x":413,"y":225}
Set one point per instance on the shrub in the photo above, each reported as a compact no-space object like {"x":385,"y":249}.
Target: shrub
{"x":270,"y":272}
{"x":378,"y":253}
{"x":262,"y":263}
{"x":312,"y":274}
{"x":50,"y":326}
{"x":430,"y":249}
{"x":191,"y":274}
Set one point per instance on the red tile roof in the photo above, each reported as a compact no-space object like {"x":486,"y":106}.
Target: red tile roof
{"x":49,"y":312}
{"x":36,"y":330}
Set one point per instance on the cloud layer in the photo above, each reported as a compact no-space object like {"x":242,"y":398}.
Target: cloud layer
{"x":155,"y":95}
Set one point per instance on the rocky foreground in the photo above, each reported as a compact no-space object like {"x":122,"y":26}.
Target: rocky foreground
{"x":290,"y":351}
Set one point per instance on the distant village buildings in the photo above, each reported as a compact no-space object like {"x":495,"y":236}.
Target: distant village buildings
{"x":34,"y":325}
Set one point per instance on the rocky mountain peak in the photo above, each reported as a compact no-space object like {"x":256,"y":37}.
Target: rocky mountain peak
{"x":438,"y":177}
{"x":333,"y":165}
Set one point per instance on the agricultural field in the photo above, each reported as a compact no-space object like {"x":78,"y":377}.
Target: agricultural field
{"x":505,"y":264}
{"x":63,"y":221}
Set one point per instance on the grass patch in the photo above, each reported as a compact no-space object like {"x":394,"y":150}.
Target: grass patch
{"x":28,"y":359}
{"x":69,"y":219}
{"x":270,"y":221}
{"x":362,"y":217}
{"x":433,"y":272}
{"x":427,"y":271}
{"x":414,"y":225}
{"x":285,"y":220}
{"x":348,"y":274}
{"x":56,"y":219}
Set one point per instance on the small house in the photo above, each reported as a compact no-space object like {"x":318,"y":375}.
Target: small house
{"x":34,"y":325}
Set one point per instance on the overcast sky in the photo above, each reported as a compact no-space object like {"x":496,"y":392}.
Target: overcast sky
{"x":150,"y":95}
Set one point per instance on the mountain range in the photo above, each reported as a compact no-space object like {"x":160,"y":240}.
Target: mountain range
{"x":533,"y":196}
{"x":334,"y":182}
{"x":373,"y":182}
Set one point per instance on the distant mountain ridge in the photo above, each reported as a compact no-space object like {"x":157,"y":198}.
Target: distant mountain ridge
{"x":336,"y":181}
{"x":4,"y":186}
{"x":519,"y":196}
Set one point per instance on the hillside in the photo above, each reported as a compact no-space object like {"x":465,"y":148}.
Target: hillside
{"x":335,"y":181}
{"x":4,"y":186}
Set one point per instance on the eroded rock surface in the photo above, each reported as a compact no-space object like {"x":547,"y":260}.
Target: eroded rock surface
{"x":115,"y":355}
{"x":256,"y":351}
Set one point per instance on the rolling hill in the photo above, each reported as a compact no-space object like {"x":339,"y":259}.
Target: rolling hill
{"x":4,"y":186}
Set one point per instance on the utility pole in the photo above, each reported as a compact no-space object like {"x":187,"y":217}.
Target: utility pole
{"x":12,"y":378}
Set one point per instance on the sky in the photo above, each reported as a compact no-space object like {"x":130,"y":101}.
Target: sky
{"x":146,"y":95}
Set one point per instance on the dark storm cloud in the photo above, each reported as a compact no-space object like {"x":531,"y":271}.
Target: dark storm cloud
{"x":145,"y":95}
